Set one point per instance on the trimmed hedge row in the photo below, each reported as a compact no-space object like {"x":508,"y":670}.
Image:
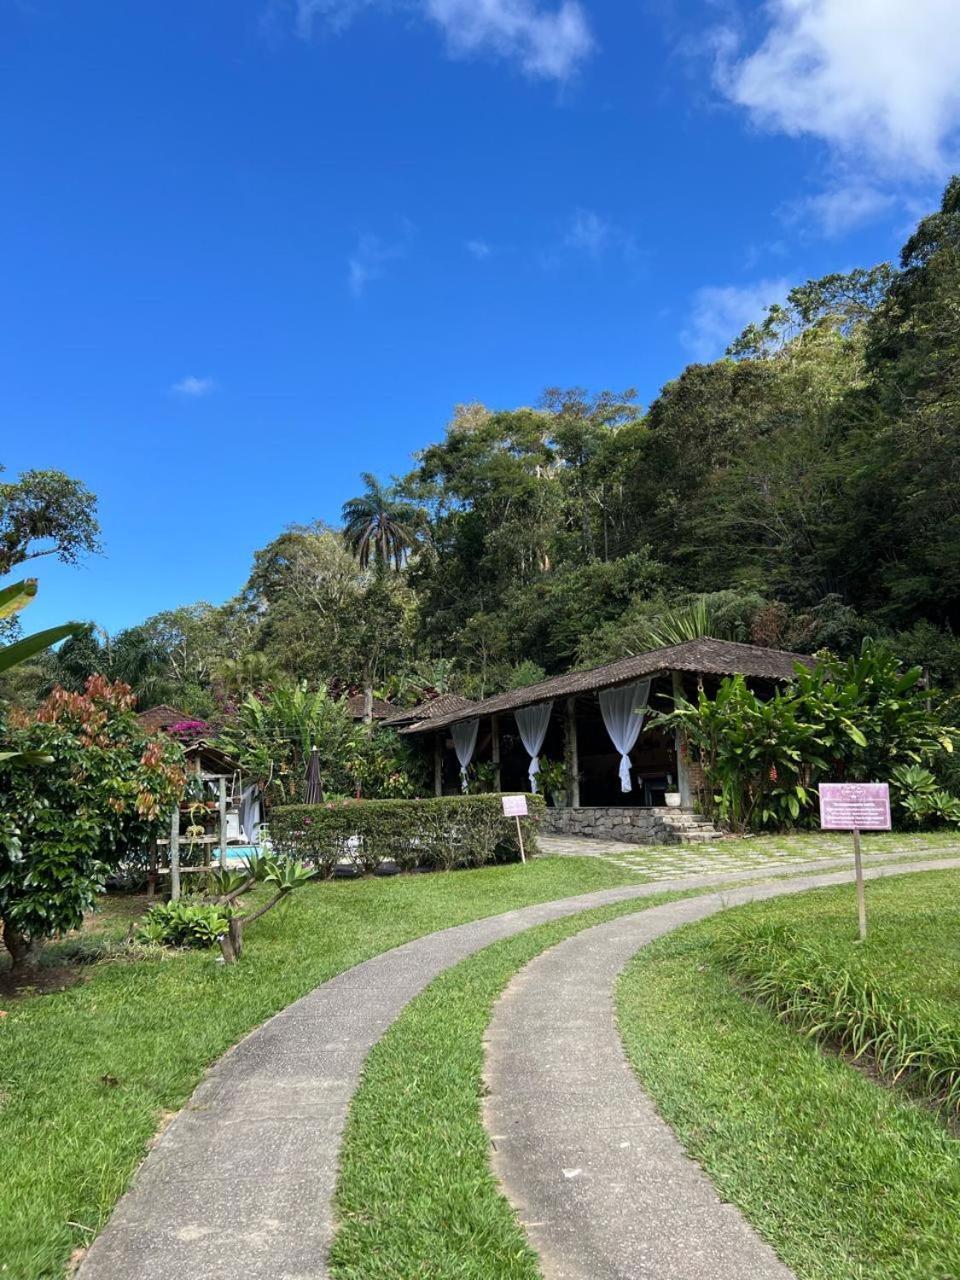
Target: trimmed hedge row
{"x":436,"y":834}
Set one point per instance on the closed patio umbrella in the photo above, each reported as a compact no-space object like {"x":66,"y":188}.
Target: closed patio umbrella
{"x":313,"y":792}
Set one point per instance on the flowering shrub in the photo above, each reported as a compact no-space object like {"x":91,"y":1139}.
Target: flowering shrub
{"x":106,"y":793}
{"x":189,"y":731}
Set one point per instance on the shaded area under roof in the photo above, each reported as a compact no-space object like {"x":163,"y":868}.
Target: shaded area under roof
{"x":704,"y":656}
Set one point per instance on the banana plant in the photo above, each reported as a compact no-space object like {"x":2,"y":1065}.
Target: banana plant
{"x":12,"y":599}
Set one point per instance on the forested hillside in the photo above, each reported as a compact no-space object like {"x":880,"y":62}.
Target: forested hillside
{"x":804,"y":490}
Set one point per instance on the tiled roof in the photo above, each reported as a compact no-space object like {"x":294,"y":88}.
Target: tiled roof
{"x":706,"y":656}
{"x":156,"y":718}
{"x":443,"y":704}
{"x":356,"y":705}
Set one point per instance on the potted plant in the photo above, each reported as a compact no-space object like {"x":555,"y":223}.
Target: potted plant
{"x":671,"y":798}
{"x":552,"y":781}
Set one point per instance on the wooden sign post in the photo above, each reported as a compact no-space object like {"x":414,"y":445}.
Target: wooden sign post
{"x":855,"y":807}
{"x":516,"y":807}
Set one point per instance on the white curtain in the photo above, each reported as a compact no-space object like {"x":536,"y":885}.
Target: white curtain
{"x":623,"y":712}
{"x":465,"y":743}
{"x":532,"y":723}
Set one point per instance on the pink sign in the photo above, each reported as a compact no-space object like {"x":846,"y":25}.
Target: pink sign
{"x":514,"y":806}
{"x":845,"y":806}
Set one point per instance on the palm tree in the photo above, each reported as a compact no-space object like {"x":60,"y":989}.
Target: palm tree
{"x":379,"y":526}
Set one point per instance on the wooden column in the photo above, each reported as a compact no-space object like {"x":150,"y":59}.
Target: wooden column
{"x":175,"y":853}
{"x":683,"y":777}
{"x":223,"y":823}
{"x":438,"y":764}
{"x":571,"y":757}
{"x":495,"y":751}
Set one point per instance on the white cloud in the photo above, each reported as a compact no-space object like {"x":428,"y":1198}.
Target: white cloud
{"x":547,"y":42}
{"x":369,"y":259}
{"x":877,"y":80}
{"x":479,"y":249}
{"x":841,"y":208}
{"x":721,"y":312}
{"x":193,"y":386}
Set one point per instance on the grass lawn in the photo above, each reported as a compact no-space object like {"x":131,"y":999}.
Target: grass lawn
{"x":416,"y":1198}
{"x":844,"y":1176}
{"x":87,"y":1074}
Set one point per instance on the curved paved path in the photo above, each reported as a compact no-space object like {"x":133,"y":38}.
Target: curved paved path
{"x":240,"y":1185}
{"x":602,"y":1185}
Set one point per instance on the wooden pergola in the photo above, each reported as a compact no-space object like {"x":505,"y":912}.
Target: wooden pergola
{"x":576,"y":726}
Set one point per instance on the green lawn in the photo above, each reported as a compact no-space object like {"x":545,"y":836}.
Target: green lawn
{"x":87,"y":1074}
{"x":416,"y":1198}
{"x":845,"y":1177}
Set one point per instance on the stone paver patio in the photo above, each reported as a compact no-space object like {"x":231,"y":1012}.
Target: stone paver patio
{"x":734,"y":855}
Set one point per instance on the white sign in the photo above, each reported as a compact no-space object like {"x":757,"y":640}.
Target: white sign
{"x":515,"y":806}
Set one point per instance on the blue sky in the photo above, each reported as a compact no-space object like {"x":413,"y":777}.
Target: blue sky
{"x":248,"y":250}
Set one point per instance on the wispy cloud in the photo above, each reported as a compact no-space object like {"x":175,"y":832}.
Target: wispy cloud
{"x":193,"y":387}
{"x":721,"y":312}
{"x":479,"y":249}
{"x":591,"y":233}
{"x":371,"y":255}
{"x":842,"y":207}
{"x":548,"y":42}
{"x":877,"y":79}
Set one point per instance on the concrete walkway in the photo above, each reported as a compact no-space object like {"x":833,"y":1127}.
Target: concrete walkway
{"x":602,"y":1186}
{"x":240,"y":1185}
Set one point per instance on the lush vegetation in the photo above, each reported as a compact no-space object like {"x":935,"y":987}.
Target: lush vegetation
{"x":436,"y":834}
{"x":844,"y":1176}
{"x":416,"y":1196}
{"x":273,"y":732}
{"x":834,"y":997}
{"x":87,"y":1074}
{"x":802,"y":491}
{"x":864,"y":719}
{"x":101,"y":792}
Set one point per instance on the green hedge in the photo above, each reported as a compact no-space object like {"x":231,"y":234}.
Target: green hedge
{"x":437,"y":834}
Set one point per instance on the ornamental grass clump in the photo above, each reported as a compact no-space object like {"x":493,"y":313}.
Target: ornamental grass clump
{"x":905,"y":1040}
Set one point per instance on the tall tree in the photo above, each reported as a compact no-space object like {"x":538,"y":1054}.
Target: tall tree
{"x":46,"y":513}
{"x":379,"y":525}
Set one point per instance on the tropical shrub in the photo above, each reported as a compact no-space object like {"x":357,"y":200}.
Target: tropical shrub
{"x":858,"y":720}
{"x":435,"y":834}
{"x":281,"y":875}
{"x":921,"y":798}
{"x":272,"y":735}
{"x":104,"y":795}
{"x":186,"y":923}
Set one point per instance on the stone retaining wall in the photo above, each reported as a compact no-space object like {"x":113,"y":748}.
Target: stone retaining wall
{"x":631,"y":825}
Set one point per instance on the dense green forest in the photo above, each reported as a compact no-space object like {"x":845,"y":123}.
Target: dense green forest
{"x":804,"y":490}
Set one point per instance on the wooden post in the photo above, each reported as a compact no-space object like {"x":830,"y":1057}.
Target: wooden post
{"x":175,"y":853}
{"x":861,"y":896}
{"x":683,"y":777}
{"x":495,"y":751}
{"x":571,"y":755}
{"x":523,"y":856}
{"x":223,"y":823}
{"x":438,"y":764}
